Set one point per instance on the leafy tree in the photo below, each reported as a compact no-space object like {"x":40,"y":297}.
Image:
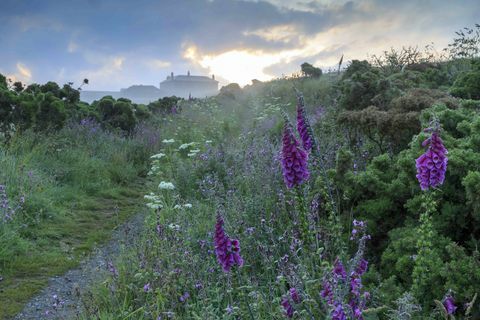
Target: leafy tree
{"x":117,"y":114}
{"x":51,"y":113}
{"x":163,"y":105}
{"x":309,"y":70}
{"x":467,"y":84}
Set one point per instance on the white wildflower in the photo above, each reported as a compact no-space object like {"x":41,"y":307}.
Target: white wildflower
{"x":166,"y":185}
{"x":187,"y":205}
{"x":186,"y":145}
{"x":154,"y":206}
{"x":158,"y":156}
{"x":168,"y":141}
{"x":175,"y":227}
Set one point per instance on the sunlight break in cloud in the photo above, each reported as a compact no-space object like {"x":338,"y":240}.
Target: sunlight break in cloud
{"x":23,"y":73}
{"x":282,"y":33}
{"x":158,"y":63}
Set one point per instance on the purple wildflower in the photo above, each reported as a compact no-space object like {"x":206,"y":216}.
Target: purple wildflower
{"x":229,"y":309}
{"x":362,"y":267}
{"x":303,"y":127}
{"x":294,"y":295}
{"x":327,"y":292}
{"x":339,"y":269}
{"x":227,"y":250}
{"x":146,"y":287}
{"x":432,"y":165}
{"x":355,"y":285}
{"x":338,"y":313}
{"x":294,"y":160}
{"x":449,"y":305}
{"x":184,"y":297}
{"x":112,"y":269}
{"x":287,"y":307}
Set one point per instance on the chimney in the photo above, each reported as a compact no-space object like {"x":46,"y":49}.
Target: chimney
{"x":188,"y":73}
{"x":171,"y":75}
{"x":213,"y":77}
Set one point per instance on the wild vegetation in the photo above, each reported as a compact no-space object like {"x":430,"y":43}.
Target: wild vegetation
{"x":342,"y":195}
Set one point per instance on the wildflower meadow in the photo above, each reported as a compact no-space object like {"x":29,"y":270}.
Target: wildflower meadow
{"x":350,"y":195}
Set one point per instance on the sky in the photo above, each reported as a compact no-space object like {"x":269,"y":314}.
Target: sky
{"x":118,"y":43}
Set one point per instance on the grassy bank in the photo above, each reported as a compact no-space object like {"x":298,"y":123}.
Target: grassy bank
{"x":67,"y":190}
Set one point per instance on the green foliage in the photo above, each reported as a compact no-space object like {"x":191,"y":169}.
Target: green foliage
{"x":117,"y":114}
{"x":309,"y":70}
{"x":467,"y":84}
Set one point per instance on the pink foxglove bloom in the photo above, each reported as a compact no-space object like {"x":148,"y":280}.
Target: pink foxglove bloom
{"x":294,"y":160}
{"x":226,"y":249}
{"x":432,"y":165}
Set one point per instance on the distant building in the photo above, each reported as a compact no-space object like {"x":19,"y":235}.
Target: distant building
{"x":188,"y":85}
{"x":184,"y":86}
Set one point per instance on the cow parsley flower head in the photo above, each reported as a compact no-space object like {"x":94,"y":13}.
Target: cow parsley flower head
{"x":166,"y":185}
{"x":432,"y":165}
{"x":158,"y":156}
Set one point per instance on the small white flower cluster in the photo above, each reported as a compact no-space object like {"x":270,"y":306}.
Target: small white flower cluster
{"x":208,"y":141}
{"x":155,"y":201}
{"x":166,"y":185}
{"x":186,"y":205}
{"x":186,"y":145}
{"x":158,"y":156}
{"x":174,"y":227}
{"x":168,"y":141}
{"x":193,"y":152}
{"x":155,"y":168}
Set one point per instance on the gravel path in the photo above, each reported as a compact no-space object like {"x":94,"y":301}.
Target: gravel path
{"x":66,"y":290}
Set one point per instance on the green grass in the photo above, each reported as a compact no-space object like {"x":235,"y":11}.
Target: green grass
{"x":78,"y":187}
{"x":60,"y":243}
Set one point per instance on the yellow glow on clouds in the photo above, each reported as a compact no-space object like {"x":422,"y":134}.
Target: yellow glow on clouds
{"x":241,"y":65}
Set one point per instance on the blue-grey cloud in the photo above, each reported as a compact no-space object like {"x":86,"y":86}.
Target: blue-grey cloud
{"x":117,"y":41}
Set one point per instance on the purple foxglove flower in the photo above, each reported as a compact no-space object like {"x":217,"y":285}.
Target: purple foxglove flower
{"x":338,"y":313}
{"x":356,"y":310}
{"x":294,"y":160}
{"x":355,"y":285}
{"x":287,"y":307}
{"x":362,"y":267}
{"x":339,"y":269}
{"x":227,"y":250}
{"x":432,"y":165}
{"x":327,"y":292}
{"x":449,"y":305}
{"x":294,"y":295}
{"x":303,"y":127}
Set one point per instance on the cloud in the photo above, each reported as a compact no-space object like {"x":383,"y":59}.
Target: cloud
{"x":22,"y":73}
{"x":109,"y":72}
{"x":237,"y":39}
{"x":72,"y":47}
{"x":158,"y":63}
